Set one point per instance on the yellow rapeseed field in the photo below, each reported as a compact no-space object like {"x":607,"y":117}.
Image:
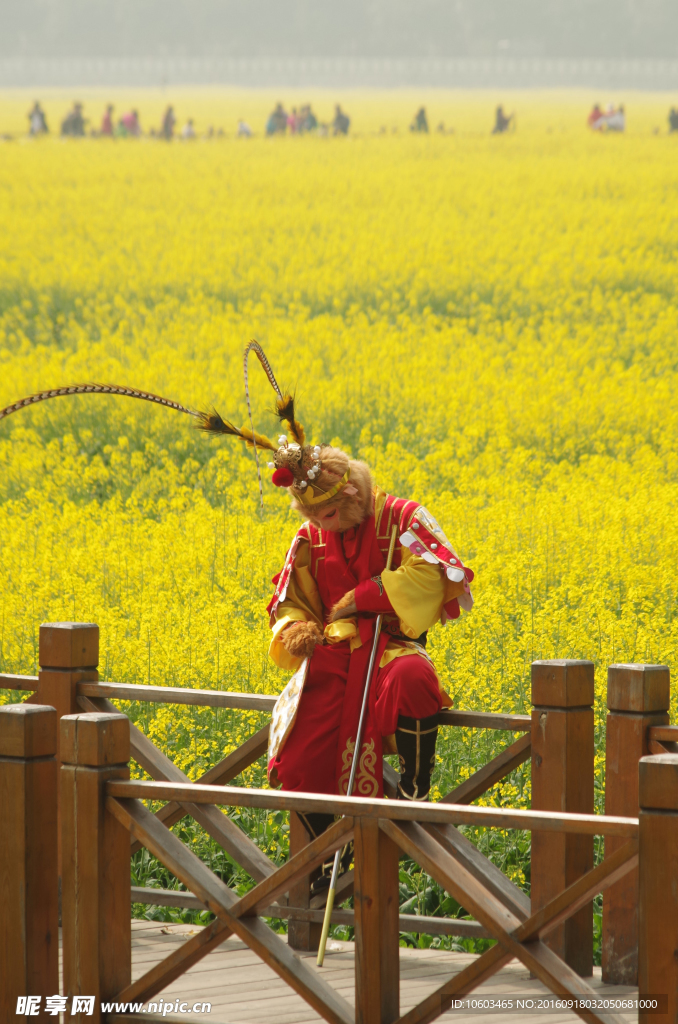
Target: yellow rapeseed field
{"x":491,"y":322}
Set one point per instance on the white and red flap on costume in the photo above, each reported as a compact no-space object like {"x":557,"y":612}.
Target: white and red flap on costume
{"x":425,"y":537}
{"x":286,"y":707}
{"x":285,"y":712}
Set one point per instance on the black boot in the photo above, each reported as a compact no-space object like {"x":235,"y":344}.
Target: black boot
{"x":416,"y":743}
{"x":321,"y":884}
{"x":315,"y":825}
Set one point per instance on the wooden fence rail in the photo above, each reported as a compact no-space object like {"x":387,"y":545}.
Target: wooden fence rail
{"x":368,"y":807}
{"x":101,"y":820}
{"x":243,"y":701}
{"x":68,"y":655}
{"x":29,"y":882}
{"x":562,"y":781}
{"x":658,"y":885}
{"x":101,"y":805}
{"x":637,"y":700}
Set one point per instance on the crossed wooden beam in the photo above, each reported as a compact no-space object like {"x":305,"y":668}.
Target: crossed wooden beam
{"x":161,"y":768}
{"x":233,"y":914}
{"x":663,"y":739}
{"x":215,"y":823}
{"x":519,"y":935}
{"x":440,"y":850}
{"x":228,"y":835}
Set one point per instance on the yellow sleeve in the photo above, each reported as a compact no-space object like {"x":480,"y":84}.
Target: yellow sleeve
{"x":302,"y":604}
{"x":417,"y":592}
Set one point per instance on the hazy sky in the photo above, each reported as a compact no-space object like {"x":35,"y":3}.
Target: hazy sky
{"x":411,"y":28}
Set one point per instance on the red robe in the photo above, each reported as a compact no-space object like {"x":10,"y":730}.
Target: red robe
{"x":318,"y":753}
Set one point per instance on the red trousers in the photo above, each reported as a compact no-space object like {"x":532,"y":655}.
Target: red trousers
{"x":406,"y":686}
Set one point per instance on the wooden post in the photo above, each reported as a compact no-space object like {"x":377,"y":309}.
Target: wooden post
{"x":377,"y":967}
{"x":638,"y":697}
{"x":658,"y":889}
{"x":301,"y":935}
{"x":68,"y":654}
{"x":29,"y":910}
{"x":96,"y":860}
{"x":562,"y":780}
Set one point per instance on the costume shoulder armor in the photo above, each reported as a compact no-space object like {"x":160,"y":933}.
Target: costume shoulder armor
{"x":425,"y":537}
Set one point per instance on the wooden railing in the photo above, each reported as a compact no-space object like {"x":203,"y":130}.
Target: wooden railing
{"x":551,"y":934}
{"x":638,"y":701}
{"x":68,"y":680}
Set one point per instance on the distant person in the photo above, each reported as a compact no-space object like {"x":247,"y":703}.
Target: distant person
{"x":420,"y":123}
{"x":37,"y":122}
{"x":341,"y":123}
{"x":188,"y":131}
{"x":673,"y":120}
{"x":277,"y":121}
{"x":168,"y":123}
{"x":596,"y":119}
{"x":616,"y":119}
{"x":244,"y":131}
{"x":309,"y":121}
{"x":107,"y":121}
{"x":73,"y":124}
{"x":502,"y":121}
{"x":129,"y":124}
{"x":293,"y":122}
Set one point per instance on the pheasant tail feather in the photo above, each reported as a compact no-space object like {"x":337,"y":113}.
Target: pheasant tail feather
{"x":212,"y":423}
{"x":285,"y":411}
{"x":93,"y":389}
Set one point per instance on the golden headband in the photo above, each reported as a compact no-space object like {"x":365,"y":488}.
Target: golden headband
{"x":309,"y":499}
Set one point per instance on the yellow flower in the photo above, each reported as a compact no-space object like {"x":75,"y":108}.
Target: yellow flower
{"x":489,"y":323}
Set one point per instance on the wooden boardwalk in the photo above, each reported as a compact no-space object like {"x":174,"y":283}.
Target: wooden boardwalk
{"x":243,"y":990}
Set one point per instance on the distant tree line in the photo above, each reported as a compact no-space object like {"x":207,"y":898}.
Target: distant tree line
{"x":378,"y":28}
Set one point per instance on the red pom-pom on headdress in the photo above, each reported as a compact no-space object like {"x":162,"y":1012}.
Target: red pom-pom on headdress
{"x":283,"y":477}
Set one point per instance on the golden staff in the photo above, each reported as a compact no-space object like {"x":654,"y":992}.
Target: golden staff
{"x":354,"y":765}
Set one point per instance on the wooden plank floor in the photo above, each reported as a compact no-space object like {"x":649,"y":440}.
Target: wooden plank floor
{"x":243,"y":990}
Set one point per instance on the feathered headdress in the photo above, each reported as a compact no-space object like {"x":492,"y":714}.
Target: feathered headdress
{"x":295,"y":464}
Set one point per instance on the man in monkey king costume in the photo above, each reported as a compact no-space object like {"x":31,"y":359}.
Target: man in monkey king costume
{"x":328,"y":594}
{"x":323,"y":613}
